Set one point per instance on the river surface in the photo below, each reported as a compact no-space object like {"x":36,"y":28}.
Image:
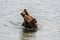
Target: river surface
{"x":47,"y":13}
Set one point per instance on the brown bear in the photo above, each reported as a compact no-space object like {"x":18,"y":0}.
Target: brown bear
{"x":29,"y":21}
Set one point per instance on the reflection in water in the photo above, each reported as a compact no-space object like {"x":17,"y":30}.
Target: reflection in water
{"x":28,"y":35}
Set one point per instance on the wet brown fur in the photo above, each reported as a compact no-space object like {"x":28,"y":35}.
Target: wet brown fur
{"x":29,"y":21}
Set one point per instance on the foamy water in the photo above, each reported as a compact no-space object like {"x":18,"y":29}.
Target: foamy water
{"x":47,"y":13}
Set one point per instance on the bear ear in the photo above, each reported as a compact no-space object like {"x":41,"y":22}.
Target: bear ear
{"x":26,"y":12}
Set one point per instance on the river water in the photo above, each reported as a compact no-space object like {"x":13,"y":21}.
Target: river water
{"x":47,"y":13}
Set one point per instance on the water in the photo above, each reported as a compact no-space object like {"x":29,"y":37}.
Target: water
{"x":47,"y":13}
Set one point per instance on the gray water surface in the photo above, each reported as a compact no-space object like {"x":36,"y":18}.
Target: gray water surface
{"x":47,"y":13}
